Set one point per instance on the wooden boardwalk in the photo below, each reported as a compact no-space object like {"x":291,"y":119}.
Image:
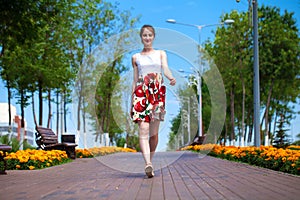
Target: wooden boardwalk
{"x":120,"y":176}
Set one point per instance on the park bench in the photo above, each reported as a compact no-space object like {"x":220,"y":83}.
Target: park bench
{"x":46,"y":139}
{"x":4,"y":148}
{"x":198,"y":140}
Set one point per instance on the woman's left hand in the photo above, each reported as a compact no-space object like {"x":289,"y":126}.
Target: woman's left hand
{"x":172,"y":81}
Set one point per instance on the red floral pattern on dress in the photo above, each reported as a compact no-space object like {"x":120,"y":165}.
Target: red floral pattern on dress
{"x":149,"y":98}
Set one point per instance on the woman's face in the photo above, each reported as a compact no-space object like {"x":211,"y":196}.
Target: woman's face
{"x":147,"y":37}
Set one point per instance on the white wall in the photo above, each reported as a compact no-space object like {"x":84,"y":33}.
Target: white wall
{"x":4,"y":113}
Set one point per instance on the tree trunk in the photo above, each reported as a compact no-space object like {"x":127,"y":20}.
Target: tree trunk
{"x":9,"y":106}
{"x":33,"y":110}
{"x":83,"y":122}
{"x":22,"y":132}
{"x":232,"y":136}
{"x":40,"y":104}
{"x":78,"y":115}
{"x":225,"y":134}
{"x":274,"y":129}
{"x":65,"y":112}
{"x":57,"y":112}
{"x":267,"y":114}
{"x":250,"y":134}
{"x":49,"y":108}
{"x":241,"y":138}
{"x":249,"y":122}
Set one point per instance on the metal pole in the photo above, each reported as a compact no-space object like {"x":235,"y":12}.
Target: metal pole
{"x":256,"y":94}
{"x":189,"y":124}
{"x":199,"y":85}
{"x":199,"y":75}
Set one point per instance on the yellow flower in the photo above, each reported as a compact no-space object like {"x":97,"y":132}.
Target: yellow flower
{"x":31,"y":167}
{"x":18,"y":166}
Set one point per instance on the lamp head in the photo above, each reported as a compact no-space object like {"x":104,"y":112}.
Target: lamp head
{"x":229,"y":21}
{"x":173,"y":21}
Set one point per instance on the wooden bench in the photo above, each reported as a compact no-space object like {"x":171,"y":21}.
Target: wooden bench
{"x":4,"y":148}
{"x":198,"y":140}
{"x":46,"y":139}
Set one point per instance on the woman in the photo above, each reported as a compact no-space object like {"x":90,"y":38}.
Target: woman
{"x":148,"y":94}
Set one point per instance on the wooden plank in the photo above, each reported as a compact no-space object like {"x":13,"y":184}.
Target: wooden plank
{"x":4,"y":147}
{"x":70,"y":144}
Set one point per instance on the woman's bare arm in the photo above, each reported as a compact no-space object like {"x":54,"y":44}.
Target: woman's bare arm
{"x":167,"y":71}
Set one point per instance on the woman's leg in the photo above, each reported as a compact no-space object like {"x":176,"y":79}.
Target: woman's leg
{"x":144,"y":140}
{"x":154,"y":127}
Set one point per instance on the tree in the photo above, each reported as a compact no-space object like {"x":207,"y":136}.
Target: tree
{"x":230,"y":52}
{"x":297,"y":142}
{"x":97,"y":21}
{"x":279,"y":60}
{"x":281,"y":138}
{"x":44,"y":43}
{"x":17,"y":30}
{"x":34,"y":37}
{"x":279,"y":67}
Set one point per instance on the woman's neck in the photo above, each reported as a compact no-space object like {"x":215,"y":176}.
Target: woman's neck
{"x":147,"y":49}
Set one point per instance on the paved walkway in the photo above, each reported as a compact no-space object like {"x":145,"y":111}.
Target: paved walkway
{"x":182,"y":176}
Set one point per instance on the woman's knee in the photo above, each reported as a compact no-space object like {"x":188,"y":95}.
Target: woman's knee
{"x":154,"y":136}
{"x":143,"y":129}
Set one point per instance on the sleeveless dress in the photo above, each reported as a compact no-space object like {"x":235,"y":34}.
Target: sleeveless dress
{"x":149,"y":96}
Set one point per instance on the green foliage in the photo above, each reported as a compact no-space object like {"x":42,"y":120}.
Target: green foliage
{"x":297,"y":142}
{"x":281,"y":140}
{"x":102,"y":20}
{"x":44,"y":43}
{"x":121,"y":142}
{"x":14,"y":143}
{"x":285,"y":160}
{"x":232,"y":51}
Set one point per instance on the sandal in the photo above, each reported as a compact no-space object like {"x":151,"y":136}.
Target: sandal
{"x":149,"y":170}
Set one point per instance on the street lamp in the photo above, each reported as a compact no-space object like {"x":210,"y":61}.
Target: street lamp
{"x":256,"y":94}
{"x":188,"y":118}
{"x":200,"y":71}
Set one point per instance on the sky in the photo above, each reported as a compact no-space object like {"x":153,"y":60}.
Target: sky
{"x":198,"y":12}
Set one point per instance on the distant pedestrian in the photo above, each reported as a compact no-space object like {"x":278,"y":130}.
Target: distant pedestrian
{"x":149,"y":94}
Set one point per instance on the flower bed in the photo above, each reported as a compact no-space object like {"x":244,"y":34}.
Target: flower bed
{"x":39,"y":159}
{"x":100,"y":151}
{"x":285,"y":160}
{"x":35,"y":159}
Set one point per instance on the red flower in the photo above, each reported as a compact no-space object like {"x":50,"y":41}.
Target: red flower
{"x":144,"y":102}
{"x":151,"y":76}
{"x":139,"y":91}
{"x":147,"y":118}
{"x":151,"y":99}
{"x":138,"y":107}
{"x":146,"y":80}
{"x":162,"y":90}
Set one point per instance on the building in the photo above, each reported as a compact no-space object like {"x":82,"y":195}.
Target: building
{"x":15,"y":124}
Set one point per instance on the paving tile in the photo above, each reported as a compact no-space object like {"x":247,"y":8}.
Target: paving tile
{"x":178,"y":175}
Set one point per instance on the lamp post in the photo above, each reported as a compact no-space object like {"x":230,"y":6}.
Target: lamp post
{"x":188,"y":117}
{"x":256,"y":95}
{"x":200,"y":71}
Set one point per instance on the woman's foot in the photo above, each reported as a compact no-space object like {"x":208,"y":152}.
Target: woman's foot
{"x":149,"y":170}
